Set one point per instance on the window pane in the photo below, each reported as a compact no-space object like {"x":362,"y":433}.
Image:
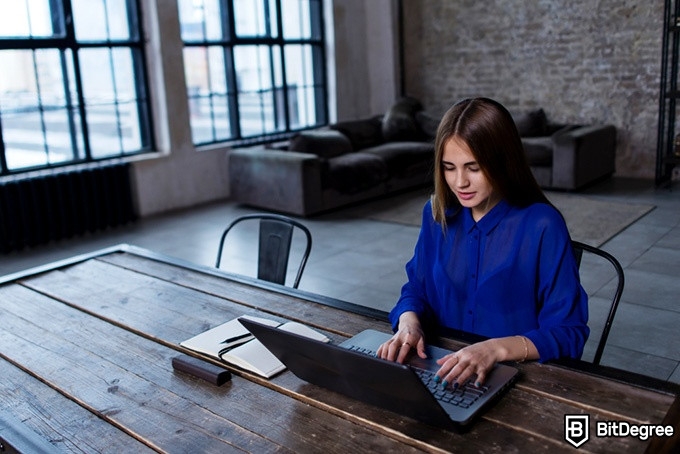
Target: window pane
{"x":103,"y":131}
{"x":255,"y":18}
{"x":221,"y":110}
{"x":297,"y":20}
{"x":51,"y":73}
{"x":25,"y":18}
{"x":207,"y":93}
{"x":42,"y":119}
{"x":299,"y":65}
{"x":200,"y":20}
{"x":300,"y":78}
{"x":97,"y":76}
{"x":257,"y":115}
{"x":111,"y":99}
{"x":129,"y":127}
{"x":100,"y":20}
{"x":256,"y":96}
{"x":35,"y":116}
{"x":24,"y":146}
{"x":253,"y":67}
{"x":196,"y":69}
{"x":18,"y":86}
{"x":58,"y":136}
{"x":201,"y":121}
{"x":248,"y":82}
{"x":277,"y":66}
{"x":123,"y":72}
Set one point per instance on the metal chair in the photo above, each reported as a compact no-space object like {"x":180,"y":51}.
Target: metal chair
{"x":579,"y":250}
{"x":274,"y":245}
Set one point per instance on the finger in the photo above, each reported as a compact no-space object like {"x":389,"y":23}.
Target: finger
{"x":464,"y":376}
{"x":393,"y":350}
{"x":447,"y":363}
{"x":421,"y":348}
{"x":481,"y":379}
{"x":404,"y":350}
{"x":460,"y":372}
{"x":441,"y":361}
{"x":382,"y":351}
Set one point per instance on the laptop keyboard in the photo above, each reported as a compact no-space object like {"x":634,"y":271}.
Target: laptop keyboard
{"x":463,"y":396}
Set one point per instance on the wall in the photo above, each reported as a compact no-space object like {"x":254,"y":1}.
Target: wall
{"x":181,"y":176}
{"x":365,"y":57}
{"x":583,"y":61}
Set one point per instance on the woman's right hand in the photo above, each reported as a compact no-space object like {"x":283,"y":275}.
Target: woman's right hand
{"x":409,"y":335}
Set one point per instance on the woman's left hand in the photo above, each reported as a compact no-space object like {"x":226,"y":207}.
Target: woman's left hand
{"x":456,"y":368}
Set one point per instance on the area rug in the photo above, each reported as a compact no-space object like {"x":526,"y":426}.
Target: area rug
{"x":589,"y":220}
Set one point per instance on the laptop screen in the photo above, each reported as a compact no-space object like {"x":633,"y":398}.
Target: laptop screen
{"x":366,"y":378}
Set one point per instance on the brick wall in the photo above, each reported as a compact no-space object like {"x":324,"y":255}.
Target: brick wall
{"x":583,"y":61}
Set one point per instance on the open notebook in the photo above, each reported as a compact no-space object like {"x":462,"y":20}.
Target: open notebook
{"x":232,"y":343}
{"x":352,"y":369}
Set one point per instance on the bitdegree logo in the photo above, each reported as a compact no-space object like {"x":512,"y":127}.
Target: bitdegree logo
{"x":576,"y":430}
{"x":625,"y":429}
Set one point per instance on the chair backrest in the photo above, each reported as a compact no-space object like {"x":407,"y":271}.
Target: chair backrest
{"x":274,"y":245}
{"x":579,"y":250}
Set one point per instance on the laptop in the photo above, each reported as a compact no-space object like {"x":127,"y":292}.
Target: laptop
{"x":351,"y":368}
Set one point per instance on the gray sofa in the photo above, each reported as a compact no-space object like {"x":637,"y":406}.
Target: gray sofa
{"x":352,"y":161}
{"x":343,"y":163}
{"x":566,"y":156}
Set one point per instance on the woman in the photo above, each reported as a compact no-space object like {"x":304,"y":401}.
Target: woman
{"x":493,"y":256}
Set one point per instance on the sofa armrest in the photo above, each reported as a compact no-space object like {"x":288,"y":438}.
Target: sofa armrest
{"x":582,"y":155}
{"x":277,"y":180}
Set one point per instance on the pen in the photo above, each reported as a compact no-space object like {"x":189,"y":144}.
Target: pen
{"x":235,"y":338}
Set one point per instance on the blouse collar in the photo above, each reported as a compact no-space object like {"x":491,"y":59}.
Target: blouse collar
{"x":489,"y":221}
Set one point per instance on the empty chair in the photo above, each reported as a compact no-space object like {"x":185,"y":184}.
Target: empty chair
{"x":582,"y":250}
{"x":275,"y":238}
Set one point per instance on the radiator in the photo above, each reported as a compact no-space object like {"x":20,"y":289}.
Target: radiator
{"x":64,"y":203}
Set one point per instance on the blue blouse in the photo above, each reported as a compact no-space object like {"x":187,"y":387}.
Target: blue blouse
{"x":513,"y":272}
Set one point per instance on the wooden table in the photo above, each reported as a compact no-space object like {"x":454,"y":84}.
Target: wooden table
{"x":86,"y":347}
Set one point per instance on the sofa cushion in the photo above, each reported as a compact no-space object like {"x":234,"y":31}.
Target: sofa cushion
{"x":325,"y":143}
{"x":531,"y":124}
{"x":539,"y":151}
{"x":355,"y":172}
{"x":427,"y":124}
{"x":361,"y":133}
{"x":399,"y":122}
{"x":399,"y":157}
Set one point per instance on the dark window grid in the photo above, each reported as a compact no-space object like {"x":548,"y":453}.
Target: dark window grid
{"x":320,"y":75}
{"x":252,"y":41}
{"x":231,"y":40}
{"x":211,"y":94}
{"x":3,"y":161}
{"x":233,"y":91}
{"x":316,"y":10}
{"x":68,"y":42}
{"x":211,"y":97}
{"x":82,"y":106}
{"x":274,"y":89}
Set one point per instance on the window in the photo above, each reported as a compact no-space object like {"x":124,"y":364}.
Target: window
{"x":72,"y":83}
{"x":254,"y":68}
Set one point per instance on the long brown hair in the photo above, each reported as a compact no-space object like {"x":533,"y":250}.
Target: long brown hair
{"x":490,"y":132}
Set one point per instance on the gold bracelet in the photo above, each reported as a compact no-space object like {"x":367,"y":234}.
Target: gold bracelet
{"x":526,"y":348}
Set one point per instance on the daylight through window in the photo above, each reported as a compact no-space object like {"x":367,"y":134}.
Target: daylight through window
{"x":254,"y":68}
{"x":72,"y":83}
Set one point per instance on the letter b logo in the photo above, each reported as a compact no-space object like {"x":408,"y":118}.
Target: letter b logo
{"x":576,"y":429}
